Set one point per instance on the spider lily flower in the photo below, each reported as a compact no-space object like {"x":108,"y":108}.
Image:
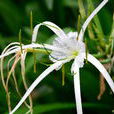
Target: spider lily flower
{"x":69,"y":48}
{"x":65,"y":48}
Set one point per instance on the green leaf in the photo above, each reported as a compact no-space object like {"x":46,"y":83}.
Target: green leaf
{"x":11,"y":15}
{"x":49,"y":4}
{"x":39,"y":109}
{"x":98,"y":27}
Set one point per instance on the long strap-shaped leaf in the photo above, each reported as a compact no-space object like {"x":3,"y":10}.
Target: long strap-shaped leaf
{"x":82,"y":31}
{"x":37,"y":81}
{"x":77,"y":88}
{"x":57,"y":30}
{"x":101,"y":68}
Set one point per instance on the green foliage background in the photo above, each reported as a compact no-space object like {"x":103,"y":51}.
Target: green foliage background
{"x":50,"y":97}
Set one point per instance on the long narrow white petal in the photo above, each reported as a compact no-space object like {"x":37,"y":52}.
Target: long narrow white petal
{"x":77,"y":88}
{"x":101,"y":68}
{"x":11,"y":44}
{"x":29,"y":46}
{"x":8,"y":48}
{"x":90,"y":18}
{"x":57,"y":30}
{"x":37,"y":81}
{"x":47,"y":46}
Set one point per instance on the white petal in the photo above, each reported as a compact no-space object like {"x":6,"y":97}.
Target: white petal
{"x":16,"y":49}
{"x":90,"y":18}
{"x":8,"y":48}
{"x":9,"y":51}
{"x":47,"y":46}
{"x":80,"y":60}
{"x":11,"y":44}
{"x":58,"y":31}
{"x":101,"y":68}
{"x":37,"y":81}
{"x":77,"y":88}
{"x":72,"y":35}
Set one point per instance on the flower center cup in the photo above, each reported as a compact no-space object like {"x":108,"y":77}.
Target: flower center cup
{"x":70,"y":48}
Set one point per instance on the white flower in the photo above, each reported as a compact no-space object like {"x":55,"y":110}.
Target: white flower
{"x":70,"y":48}
{"x":65,"y":48}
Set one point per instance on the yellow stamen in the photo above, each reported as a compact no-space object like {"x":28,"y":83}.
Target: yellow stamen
{"x":63,"y":75}
{"x":20,"y":39}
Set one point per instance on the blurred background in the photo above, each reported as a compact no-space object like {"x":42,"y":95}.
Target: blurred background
{"x":50,"y":97}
